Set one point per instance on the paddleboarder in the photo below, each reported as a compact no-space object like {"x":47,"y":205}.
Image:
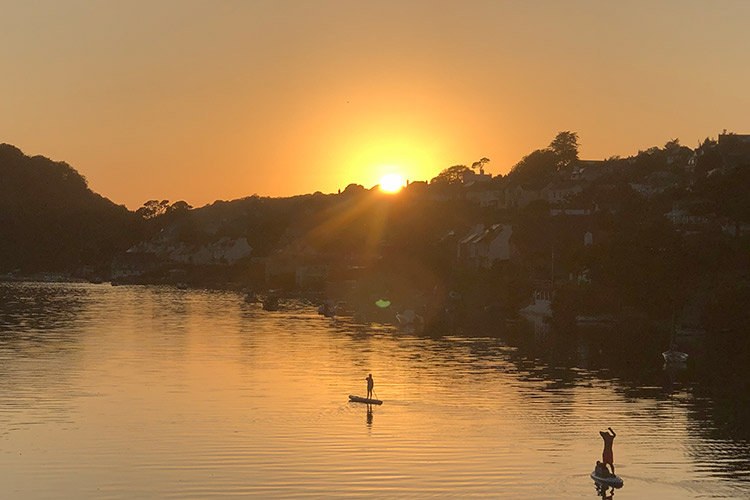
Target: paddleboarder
{"x":608,"y":457}
{"x":370,"y":385}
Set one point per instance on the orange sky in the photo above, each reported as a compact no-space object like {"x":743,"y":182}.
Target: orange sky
{"x":206,"y":100}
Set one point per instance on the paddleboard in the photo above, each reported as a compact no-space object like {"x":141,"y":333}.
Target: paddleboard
{"x":615,"y":481}
{"x":357,"y":399}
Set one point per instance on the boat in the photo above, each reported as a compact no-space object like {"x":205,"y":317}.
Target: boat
{"x":674,"y":357}
{"x":611,"y":480}
{"x":410,"y":319}
{"x":369,"y":401}
{"x":540,"y":307}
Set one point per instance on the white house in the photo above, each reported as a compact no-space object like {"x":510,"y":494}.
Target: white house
{"x":483,"y":246}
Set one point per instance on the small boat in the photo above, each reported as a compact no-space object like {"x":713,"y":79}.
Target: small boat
{"x":410,"y":319}
{"x":672,"y":356}
{"x":358,"y":399}
{"x":541,"y":306}
{"x":614,"y":481}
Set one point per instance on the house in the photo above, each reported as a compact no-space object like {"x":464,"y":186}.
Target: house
{"x":589,"y":170}
{"x":472,"y":176}
{"x":681,"y":217}
{"x":646,"y":190}
{"x":735,"y":228}
{"x":224,"y":252}
{"x":485,"y":195}
{"x":483,"y":246}
{"x":559,"y":192}
{"x":569,"y":211}
{"x":519,"y":197}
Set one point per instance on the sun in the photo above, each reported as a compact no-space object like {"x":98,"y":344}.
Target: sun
{"x":392,"y":183}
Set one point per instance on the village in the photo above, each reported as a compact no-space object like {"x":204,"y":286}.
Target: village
{"x":601,"y":237}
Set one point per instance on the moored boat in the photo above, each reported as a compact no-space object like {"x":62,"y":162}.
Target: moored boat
{"x":673,"y":356}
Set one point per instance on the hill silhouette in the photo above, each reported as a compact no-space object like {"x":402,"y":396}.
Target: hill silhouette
{"x":51,"y":220}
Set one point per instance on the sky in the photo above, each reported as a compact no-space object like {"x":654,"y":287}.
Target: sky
{"x":205,"y":100}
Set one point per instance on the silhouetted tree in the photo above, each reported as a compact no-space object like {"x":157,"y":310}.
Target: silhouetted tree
{"x":536,"y":168}
{"x":480,"y":164}
{"x":672,"y":145}
{"x":153,"y":208}
{"x":565,"y":147}
{"x":179,"y":206}
{"x":451,"y":175}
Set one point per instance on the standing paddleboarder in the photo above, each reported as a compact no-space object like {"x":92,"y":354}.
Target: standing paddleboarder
{"x":608,"y":457}
{"x":370,"y":385}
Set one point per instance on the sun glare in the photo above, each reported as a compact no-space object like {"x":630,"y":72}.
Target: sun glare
{"x":392,"y":183}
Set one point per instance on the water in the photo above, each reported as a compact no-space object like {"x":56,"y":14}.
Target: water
{"x":153,"y":392}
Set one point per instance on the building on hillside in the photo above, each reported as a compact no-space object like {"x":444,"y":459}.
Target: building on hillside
{"x":224,"y":252}
{"x":483,"y":246}
{"x":559,"y":192}
{"x":569,"y":211}
{"x":518,"y":196}
{"x":589,"y":170}
{"x":682,"y":217}
{"x":485,"y":194}
{"x":472,"y":176}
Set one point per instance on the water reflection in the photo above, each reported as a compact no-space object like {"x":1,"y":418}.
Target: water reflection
{"x":153,"y":392}
{"x":604,"y":491}
{"x":33,"y":310}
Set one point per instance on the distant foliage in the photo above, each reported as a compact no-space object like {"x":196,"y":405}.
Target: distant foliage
{"x":565,"y":148}
{"x":536,"y":168}
{"x":452,"y":175}
{"x":152,"y":209}
{"x":50,"y":220}
{"x":155,"y":208}
{"x":480,"y":164}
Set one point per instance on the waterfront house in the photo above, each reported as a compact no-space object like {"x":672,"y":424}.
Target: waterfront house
{"x":483,"y":246}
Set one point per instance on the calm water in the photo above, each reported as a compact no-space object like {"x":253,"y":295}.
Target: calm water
{"x":149,"y":392}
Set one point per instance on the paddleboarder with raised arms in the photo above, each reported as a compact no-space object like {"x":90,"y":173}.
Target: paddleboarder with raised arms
{"x":370,"y":385}
{"x":608,"y":457}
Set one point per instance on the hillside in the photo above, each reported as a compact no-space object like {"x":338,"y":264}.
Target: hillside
{"x":51,"y":221}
